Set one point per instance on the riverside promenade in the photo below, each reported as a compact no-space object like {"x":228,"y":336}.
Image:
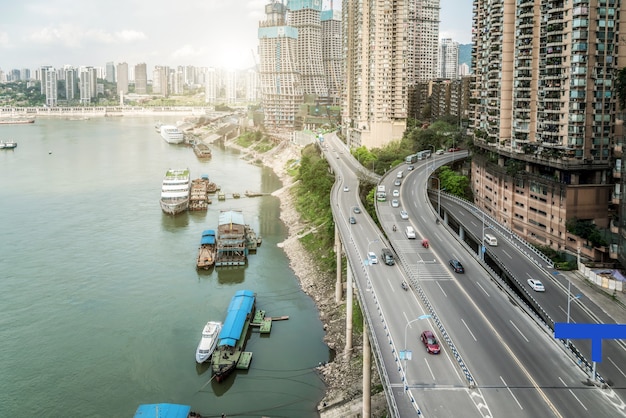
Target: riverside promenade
{"x":103,"y":111}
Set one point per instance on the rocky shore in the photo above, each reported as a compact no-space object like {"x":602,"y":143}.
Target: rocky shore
{"x":343,"y":374}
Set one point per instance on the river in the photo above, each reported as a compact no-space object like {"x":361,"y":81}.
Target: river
{"x":101,"y":306}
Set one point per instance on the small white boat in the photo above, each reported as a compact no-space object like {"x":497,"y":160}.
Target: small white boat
{"x":210,"y":335}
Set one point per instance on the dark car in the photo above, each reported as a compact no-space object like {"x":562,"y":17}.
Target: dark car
{"x":352,"y":220}
{"x":387,"y":256}
{"x":457,"y":266}
{"x":430,"y":342}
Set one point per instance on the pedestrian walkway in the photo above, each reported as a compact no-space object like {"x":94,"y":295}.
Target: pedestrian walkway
{"x":613,"y":304}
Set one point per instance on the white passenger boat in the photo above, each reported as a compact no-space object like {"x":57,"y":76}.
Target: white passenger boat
{"x":210,"y":335}
{"x":172,"y":134}
{"x":175,"y":191}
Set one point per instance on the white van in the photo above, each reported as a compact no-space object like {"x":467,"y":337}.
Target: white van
{"x":399,"y":175}
{"x":410,"y":232}
{"x":491,"y":240}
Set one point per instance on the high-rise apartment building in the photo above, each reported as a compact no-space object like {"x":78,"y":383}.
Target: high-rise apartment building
{"x":448,"y":60}
{"x":230,"y":86}
{"x":87,"y":84}
{"x":141,"y":79}
{"x":71,"y":83}
{"x":160,"y":80}
{"x":210,"y":86}
{"x":122,"y":79}
{"x":110,"y":75}
{"x":332,"y":54}
{"x":49,"y":85}
{"x":544,"y":103}
{"x":304,"y":16}
{"x":389,"y":47}
{"x":252,"y":86}
{"x":423,"y":38}
{"x":279,"y":78}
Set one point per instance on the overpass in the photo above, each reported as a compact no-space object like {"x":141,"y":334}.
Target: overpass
{"x":495,"y":360}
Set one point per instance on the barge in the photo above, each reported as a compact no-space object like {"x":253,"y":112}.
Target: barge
{"x":206,"y":253}
{"x":199,"y":199}
{"x":229,"y":353}
{"x":232,"y":249}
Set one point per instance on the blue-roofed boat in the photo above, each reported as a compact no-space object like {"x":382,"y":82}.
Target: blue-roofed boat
{"x":234,"y":334}
{"x":206,"y":253}
{"x":164,"y":410}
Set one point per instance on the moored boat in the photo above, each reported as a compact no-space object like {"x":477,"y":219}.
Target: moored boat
{"x":233,"y":336}
{"x":7,"y":144}
{"x":16,"y":121}
{"x":172,"y":134}
{"x":206,"y":253}
{"x":175,"y":191}
{"x":210,"y":335}
{"x":165,"y":410}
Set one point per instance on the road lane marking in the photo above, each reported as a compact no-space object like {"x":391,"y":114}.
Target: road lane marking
{"x":575,"y":397}
{"x":565,"y":312}
{"x":429,"y":369}
{"x":442,"y":291}
{"x":620,"y":370}
{"x":518,"y":330}
{"x":511,"y":393}
{"x":468,"y":330}
{"x":474,"y":223}
{"x":483,"y":289}
{"x":508,"y":255}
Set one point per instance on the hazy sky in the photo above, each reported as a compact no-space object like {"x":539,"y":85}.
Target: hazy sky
{"x":218,"y":33}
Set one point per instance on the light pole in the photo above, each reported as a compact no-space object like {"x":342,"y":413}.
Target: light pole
{"x":569,"y":299}
{"x":406,"y":354}
{"x":438,"y":195}
{"x":434,"y":158}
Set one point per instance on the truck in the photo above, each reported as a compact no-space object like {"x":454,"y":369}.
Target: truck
{"x":381,"y":194}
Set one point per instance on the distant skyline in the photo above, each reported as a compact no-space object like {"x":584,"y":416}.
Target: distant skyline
{"x":202,"y":33}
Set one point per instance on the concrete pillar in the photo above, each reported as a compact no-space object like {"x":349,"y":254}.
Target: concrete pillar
{"x":367,"y":367}
{"x":461,"y":233}
{"x":338,"y":251}
{"x":348,"y":349}
{"x":445,"y":217}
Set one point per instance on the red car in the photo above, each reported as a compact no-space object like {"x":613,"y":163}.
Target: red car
{"x":454,"y":149}
{"x":429,"y":340}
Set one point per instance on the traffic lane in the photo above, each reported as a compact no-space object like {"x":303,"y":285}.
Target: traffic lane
{"x":493,"y":354}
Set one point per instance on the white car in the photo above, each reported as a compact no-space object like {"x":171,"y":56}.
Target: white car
{"x":346,"y":189}
{"x":395,"y":203}
{"x":372,"y":258}
{"x":404,"y":215}
{"x":440,"y":152}
{"x":396,"y":193}
{"x":536,"y":285}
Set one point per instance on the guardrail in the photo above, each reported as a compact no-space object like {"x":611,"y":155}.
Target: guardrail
{"x":528,"y":250}
{"x":535,"y":310}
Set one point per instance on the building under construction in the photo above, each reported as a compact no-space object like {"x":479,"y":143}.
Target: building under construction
{"x":279,"y":80}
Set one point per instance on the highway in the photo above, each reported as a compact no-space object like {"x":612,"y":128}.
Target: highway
{"x":495,"y":360}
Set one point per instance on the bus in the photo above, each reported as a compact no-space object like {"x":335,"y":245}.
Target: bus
{"x":422,"y":155}
{"x":381,"y":194}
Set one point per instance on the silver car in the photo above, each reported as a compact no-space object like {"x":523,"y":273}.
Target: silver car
{"x":404,"y":215}
{"x":395,"y":203}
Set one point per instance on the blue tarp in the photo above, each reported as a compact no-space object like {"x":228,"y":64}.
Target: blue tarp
{"x":207,"y":240}
{"x":208,"y":232}
{"x":240,"y":306}
{"x":162,"y":410}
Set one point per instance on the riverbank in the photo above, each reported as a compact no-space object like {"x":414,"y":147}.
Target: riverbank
{"x":343,"y":375}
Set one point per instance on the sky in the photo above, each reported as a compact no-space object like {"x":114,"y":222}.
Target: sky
{"x":204,"y":33}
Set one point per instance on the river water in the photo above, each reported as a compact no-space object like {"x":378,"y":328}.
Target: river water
{"x":101,"y":306}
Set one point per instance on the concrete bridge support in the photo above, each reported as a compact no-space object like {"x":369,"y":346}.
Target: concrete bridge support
{"x":349,"y":294}
{"x":461,"y":233}
{"x":367,"y":368}
{"x":338,"y":252}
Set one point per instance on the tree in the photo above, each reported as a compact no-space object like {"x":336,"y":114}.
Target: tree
{"x":620,"y":86}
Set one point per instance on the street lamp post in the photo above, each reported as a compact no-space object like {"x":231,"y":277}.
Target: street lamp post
{"x":407,"y":353}
{"x":438,"y":195}
{"x":569,"y":300}
{"x":434,"y":158}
